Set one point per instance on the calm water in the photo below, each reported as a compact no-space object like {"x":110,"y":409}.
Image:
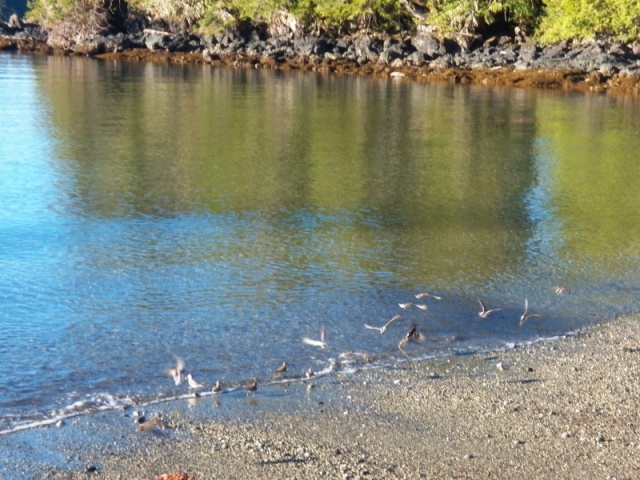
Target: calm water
{"x":151,"y":211}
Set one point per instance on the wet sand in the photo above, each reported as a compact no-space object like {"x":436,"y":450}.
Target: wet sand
{"x":567,"y":408}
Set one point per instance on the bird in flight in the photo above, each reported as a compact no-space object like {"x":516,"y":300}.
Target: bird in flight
{"x":485,"y":312}
{"x":322,"y":343}
{"x":412,"y":334}
{"x":176,"y":371}
{"x":427,"y":294}
{"x":408,"y":305}
{"x":526,"y":315}
{"x":383,"y":328}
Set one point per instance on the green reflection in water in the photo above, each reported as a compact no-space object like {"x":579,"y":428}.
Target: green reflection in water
{"x":594,"y":145}
{"x":434,"y":184}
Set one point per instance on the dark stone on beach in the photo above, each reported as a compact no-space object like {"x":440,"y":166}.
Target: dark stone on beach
{"x":367,"y":47}
{"x":156,"y":41}
{"x":311,"y":46}
{"x":429,"y":46}
{"x":528,"y":52}
{"x":445,"y":61}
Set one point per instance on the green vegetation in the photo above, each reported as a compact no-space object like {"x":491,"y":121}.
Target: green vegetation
{"x":587,"y":19}
{"x":549,"y":20}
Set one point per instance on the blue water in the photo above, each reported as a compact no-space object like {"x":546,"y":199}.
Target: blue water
{"x":153,"y":211}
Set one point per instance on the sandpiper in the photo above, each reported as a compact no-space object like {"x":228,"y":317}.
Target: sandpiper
{"x":526,"y":315}
{"x":176,"y":372}
{"x":193,"y":383}
{"x":485,"y":312}
{"x":427,"y":294}
{"x":322,"y":343}
{"x":148,"y":425}
{"x":408,"y":305}
{"x":282,"y":368}
{"x":251,"y":388}
{"x":412,"y":334}
{"x":383,"y":328}
{"x":309,"y":373}
{"x":217,"y":388}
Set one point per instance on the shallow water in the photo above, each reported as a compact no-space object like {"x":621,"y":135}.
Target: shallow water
{"x":154,"y":211}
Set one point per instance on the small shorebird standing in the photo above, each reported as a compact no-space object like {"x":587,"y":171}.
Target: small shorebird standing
{"x":427,"y":294}
{"x":309,"y":373}
{"x":217,"y":388}
{"x":193,"y":383}
{"x":408,"y":305}
{"x":383,"y":328}
{"x":251,"y":388}
{"x":176,"y":372}
{"x":484,"y":313}
{"x":526,"y":315}
{"x":282,"y":368}
{"x":322,"y":343}
{"x":148,"y":425}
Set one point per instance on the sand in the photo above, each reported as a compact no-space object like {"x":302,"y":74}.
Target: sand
{"x":565,"y":408}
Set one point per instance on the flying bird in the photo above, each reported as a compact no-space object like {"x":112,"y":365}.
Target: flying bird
{"x":406,"y":306}
{"x":485,"y":312}
{"x":322,"y":343}
{"x":526,"y":315}
{"x":383,"y":328}
{"x":427,"y":294}
{"x":176,"y":371}
{"x":412,"y":334}
{"x":560,"y":290}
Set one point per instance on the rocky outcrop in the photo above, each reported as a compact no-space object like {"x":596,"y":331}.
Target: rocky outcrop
{"x":285,"y":46}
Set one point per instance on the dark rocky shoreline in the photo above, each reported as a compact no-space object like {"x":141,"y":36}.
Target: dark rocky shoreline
{"x":598,"y":65}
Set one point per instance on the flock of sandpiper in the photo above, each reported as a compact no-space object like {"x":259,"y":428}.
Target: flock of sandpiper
{"x":412,"y":335}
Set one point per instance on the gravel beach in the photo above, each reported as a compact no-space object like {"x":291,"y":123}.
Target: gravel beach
{"x":565,"y":408}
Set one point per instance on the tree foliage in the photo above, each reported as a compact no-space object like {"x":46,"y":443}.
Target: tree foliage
{"x":467,"y":16}
{"x":550,"y":20}
{"x":589,"y":19}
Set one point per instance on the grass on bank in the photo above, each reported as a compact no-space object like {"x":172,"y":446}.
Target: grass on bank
{"x":548,"y":20}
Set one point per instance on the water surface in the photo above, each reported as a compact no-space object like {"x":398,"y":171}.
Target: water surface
{"x":154,"y":211}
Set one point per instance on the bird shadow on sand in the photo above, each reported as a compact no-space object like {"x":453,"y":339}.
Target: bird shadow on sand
{"x":526,"y":381}
{"x":283,"y":461}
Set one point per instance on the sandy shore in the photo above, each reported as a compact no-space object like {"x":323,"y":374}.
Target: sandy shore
{"x":567,"y":408}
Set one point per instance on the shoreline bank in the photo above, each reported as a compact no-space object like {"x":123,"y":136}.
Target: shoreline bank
{"x":599,"y":66}
{"x":566,"y":408}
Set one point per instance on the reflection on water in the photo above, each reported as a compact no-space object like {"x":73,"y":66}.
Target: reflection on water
{"x":154,"y":210}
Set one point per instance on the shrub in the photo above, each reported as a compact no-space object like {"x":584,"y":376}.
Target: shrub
{"x":469,"y":16}
{"x":565,"y":19}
